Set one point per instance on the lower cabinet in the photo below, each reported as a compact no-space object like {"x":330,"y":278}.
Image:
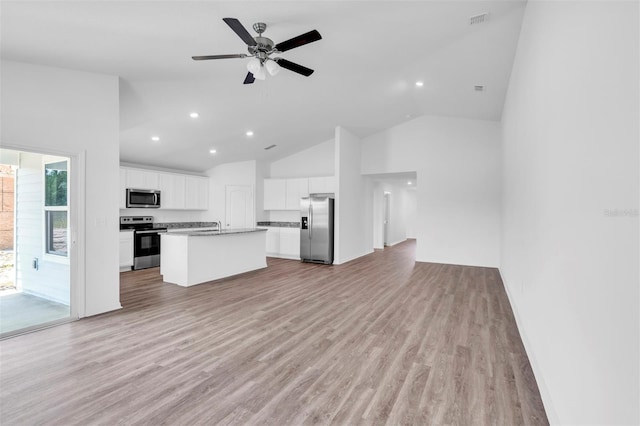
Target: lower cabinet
{"x":290,"y":243}
{"x":283,"y":242}
{"x":273,"y":241}
{"x":126,"y":250}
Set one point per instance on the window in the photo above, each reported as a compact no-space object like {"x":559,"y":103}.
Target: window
{"x":56,"y":208}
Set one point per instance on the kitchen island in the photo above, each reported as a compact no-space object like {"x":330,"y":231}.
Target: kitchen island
{"x":194,"y":257}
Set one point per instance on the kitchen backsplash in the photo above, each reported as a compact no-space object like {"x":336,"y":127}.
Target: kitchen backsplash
{"x":280,"y":224}
{"x":187,"y":225}
{"x":166,"y":216}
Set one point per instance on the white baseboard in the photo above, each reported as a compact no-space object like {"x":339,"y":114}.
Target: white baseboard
{"x":342,"y":262}
{"x":537,"y":373}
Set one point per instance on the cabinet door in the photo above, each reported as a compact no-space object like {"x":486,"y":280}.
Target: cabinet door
{"x":196,"y":193}
{"x":290,"y":242}
{"x":172,"y":191}
{"x":142,"y":179}
{"x":275,"y":193}
{"x":126,"y":249}
{"x":296,"y":189}
{"x":322,"y":185}
{"x":273,"y":241}
{"x":123,"y":188}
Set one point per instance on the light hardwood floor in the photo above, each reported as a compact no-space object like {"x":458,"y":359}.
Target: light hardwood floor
{"x":380,"y":340}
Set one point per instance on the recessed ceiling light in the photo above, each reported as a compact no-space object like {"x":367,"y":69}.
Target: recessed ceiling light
{"x":249,"y":133}
{"x":194,"y":115}
{"x":409,"y":183}
{"x":419,"y":84}
{"x":212,"y":151}
{"x":155,"y":138}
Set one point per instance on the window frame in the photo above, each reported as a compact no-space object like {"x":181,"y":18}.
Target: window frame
{"x":59,"y":257}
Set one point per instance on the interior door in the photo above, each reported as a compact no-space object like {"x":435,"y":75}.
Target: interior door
{"x":239,"y":207}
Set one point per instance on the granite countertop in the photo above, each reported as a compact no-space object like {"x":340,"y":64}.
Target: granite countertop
{"x":187,"y":225}
{"x":280,"y":224}
{"x":214,"y":233}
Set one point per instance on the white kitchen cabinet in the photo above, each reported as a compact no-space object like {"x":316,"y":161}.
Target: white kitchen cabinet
{"x":290,"y":243}
{"x":142,"y":179}
{"x":322,"y":185}
{"x":273,"y":241}
{"x":126,"y":250}
{"x":282,"y":242}
{"x":123,"y":188}
{"x":172,"y":191}
{"x":296,"y":189}
{"x":196,"y":193}
{"x":275,"y":194}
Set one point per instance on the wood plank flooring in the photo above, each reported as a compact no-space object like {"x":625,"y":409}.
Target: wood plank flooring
{"x":380,"y":340}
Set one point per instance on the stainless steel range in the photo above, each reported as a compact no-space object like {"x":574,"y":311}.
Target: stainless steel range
{"x":146,"y":240}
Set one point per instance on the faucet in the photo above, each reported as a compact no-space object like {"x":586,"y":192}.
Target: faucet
{"x":219,"y":225}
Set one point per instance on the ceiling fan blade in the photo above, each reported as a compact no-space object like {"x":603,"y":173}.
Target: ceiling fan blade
{"x":204,"y":58}
{"x":239,"y":29}
{"x":249,"y":79}
{"x":301,"y":40}
{"x":292,"y":66}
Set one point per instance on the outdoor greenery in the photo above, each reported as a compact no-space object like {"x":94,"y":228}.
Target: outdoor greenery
{"x":55,"y":184}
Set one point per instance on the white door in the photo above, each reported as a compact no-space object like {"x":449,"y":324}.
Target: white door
{"x":239,"y":207}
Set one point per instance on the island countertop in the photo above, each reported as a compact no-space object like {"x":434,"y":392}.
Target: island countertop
{"x":206,"y":233}
{"x":188,"y":258}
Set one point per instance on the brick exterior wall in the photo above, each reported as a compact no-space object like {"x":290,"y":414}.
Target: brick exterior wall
{"x":7,"y":207}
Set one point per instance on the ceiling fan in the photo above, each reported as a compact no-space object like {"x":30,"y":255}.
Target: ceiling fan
{"x":260,"y":48}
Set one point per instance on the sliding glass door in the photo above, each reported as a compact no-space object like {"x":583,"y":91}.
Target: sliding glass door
{"x":40,"y":294}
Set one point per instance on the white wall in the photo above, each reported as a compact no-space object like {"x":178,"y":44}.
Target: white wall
{"x":458,"y":195}
{"x":570,"y":212}
{"x":354,"y":201}
{"x":315,"y":161}
{"x":240,"y":173}
{"x":64,"y":112}
{"x":262,"y":171}
{"x":410,"y":209}
{"x":52,"y":279}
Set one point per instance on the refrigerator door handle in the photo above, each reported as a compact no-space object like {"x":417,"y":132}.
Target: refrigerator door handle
{"x":310,"y":218}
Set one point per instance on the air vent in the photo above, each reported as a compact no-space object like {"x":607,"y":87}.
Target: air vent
{"x":269,"y":147}
{"x":479,"y":19}
{"x":478,"y":88}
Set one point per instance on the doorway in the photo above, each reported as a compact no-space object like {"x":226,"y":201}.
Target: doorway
{"x":35,"y":218}
{"x":239,"y":207}
{"x":394,"y":203}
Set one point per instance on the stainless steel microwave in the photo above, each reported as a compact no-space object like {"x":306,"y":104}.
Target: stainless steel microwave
{"x":143,"y":198}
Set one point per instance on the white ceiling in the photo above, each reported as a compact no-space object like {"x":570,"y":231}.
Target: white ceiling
{"x":366,"y":66}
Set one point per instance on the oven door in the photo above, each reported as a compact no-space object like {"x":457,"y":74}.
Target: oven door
{"x":146,"y":249}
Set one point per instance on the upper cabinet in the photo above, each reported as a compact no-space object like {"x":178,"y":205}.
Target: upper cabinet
{"x":197,"y":193}
{"x":285,"y":194}
{"x":296,"y":189}
{"x":172,"y":191}
{"x":177,"y":191}
{"x":322,"y":185}
{"x":142,"y":179}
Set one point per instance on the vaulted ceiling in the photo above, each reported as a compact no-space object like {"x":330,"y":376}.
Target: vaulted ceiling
{"x":366,"y":65}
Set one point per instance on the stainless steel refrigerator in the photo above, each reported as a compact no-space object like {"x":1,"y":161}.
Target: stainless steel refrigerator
{"x":316,"y":229}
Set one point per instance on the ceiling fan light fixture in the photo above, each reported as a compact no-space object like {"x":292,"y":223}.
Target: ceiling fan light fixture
{"x":253,"y":66}
{"x":261,"y":74}
{"x":272,"y":67}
